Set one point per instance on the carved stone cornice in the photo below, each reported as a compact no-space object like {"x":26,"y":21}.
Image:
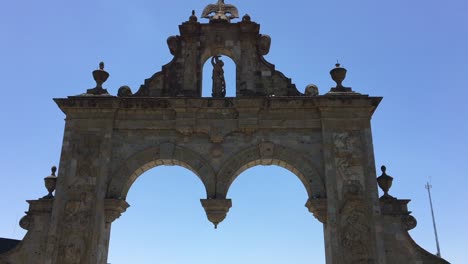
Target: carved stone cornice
{"x":36,"y":207}
{"x":114,"y":209}
{"x":398,"y":208}
{"x":318,"y":207}
{"x":394,"y":206}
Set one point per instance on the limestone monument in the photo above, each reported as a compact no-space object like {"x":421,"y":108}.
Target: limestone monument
{"x":325,"y":140}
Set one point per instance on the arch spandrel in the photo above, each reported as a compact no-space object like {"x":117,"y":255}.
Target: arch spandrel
{"x":126,"y":173}
{"x":271,"y":154}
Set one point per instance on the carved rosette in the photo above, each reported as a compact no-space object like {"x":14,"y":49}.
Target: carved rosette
{"x":114,"y":209}
{"x":216,"y":209}
{"x":36,"y":208}
{"x":318,"y":207}
{"x":26,"y":222}
{"x":409,"y":222}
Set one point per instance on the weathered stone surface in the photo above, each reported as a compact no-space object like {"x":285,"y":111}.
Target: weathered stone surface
{"x":326,"y":141}
{"x":197,"y":43}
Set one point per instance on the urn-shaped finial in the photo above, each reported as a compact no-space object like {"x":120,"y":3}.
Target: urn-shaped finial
{"x":338,"y":74}
{"x":385,"y":183}
{"x":100,"y":76}
{"x":50,"y":183}
{"x":193,"y":18}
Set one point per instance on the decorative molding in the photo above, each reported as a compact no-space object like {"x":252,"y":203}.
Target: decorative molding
{"x":216,"y":209}
{"x":114,"y":209}
{"x":318,"y":207}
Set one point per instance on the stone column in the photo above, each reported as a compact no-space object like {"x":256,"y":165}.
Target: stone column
{"x":352,"y":228}
{"x":78,"y":233}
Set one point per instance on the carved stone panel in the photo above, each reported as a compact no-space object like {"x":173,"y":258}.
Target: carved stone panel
{"x":348,"y":159}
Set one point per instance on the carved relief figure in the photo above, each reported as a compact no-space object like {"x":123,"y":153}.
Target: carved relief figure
{"x":77,"y":220}
{"x":348,"y":155}
{"x":355,"y":232}
{"x":219,"y":84}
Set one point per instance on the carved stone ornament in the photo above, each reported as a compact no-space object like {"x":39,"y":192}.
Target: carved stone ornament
{"x":311,"y":90}
{"x":26,"y":222}
{"x":266,"y":149}
{"x":50,"y":184}
{"x":222,"y":12}
{"x":124,"y":91}
{"x":355,"y":231}
{"x":385,"y":183}
{"x":100,"y":76}
{"x":318,"y":207}
{"x":216,"y":150}
{"x":338,"y":75}
{"x":219,"y":83}
{"x":264,"y":44}
{"x":114,"y":209}
{"x":173,"y":43}
{"x":216,"y":209}
{"x":409,"y":222}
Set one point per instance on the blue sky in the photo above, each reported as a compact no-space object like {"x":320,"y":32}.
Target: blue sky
{"x":413,"y":53}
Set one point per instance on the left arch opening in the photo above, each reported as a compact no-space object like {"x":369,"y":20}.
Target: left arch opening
{"x":164,"y":209}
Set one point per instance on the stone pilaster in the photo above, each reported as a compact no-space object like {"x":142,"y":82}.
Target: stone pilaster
{"x":352,"y":221}
{"x":78,"y":233}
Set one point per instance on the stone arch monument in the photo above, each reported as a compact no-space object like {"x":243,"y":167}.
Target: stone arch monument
{"x":325,"y":140}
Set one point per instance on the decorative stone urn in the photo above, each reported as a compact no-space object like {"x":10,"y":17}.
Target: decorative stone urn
{"x":100,"y":76}
{"x":50,"y":183}
{"x":338,"y":74}
{"x":385,"y":183}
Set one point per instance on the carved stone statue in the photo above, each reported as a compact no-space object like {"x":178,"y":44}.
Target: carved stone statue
{"x":222,"y":12}
{"x":219,"y":84}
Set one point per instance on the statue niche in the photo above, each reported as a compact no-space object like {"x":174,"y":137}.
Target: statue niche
{"x":197,"y":42}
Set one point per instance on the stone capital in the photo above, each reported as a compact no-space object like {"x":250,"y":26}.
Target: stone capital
{"x":114,"y":209}
{"x":318,"y":207}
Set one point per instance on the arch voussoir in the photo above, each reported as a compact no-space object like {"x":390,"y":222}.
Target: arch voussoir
{"x":271,"y":154}
{"x":125,"y":174}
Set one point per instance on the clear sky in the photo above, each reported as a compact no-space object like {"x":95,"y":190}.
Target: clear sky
{"x":413,"y":53}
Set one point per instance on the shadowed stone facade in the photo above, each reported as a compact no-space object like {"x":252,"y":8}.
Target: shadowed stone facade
{"x":325,"y":140}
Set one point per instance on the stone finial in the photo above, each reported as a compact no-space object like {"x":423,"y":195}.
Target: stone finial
{"x":222,"y":12}
{"x":100,"y":76}
{"x":50,"y":183}
{"x":216,"y":209}
{"x":385,"y":183}
{"x":311,"y":90}
{"x":338,"y":74}
{"x":193,"y":18}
